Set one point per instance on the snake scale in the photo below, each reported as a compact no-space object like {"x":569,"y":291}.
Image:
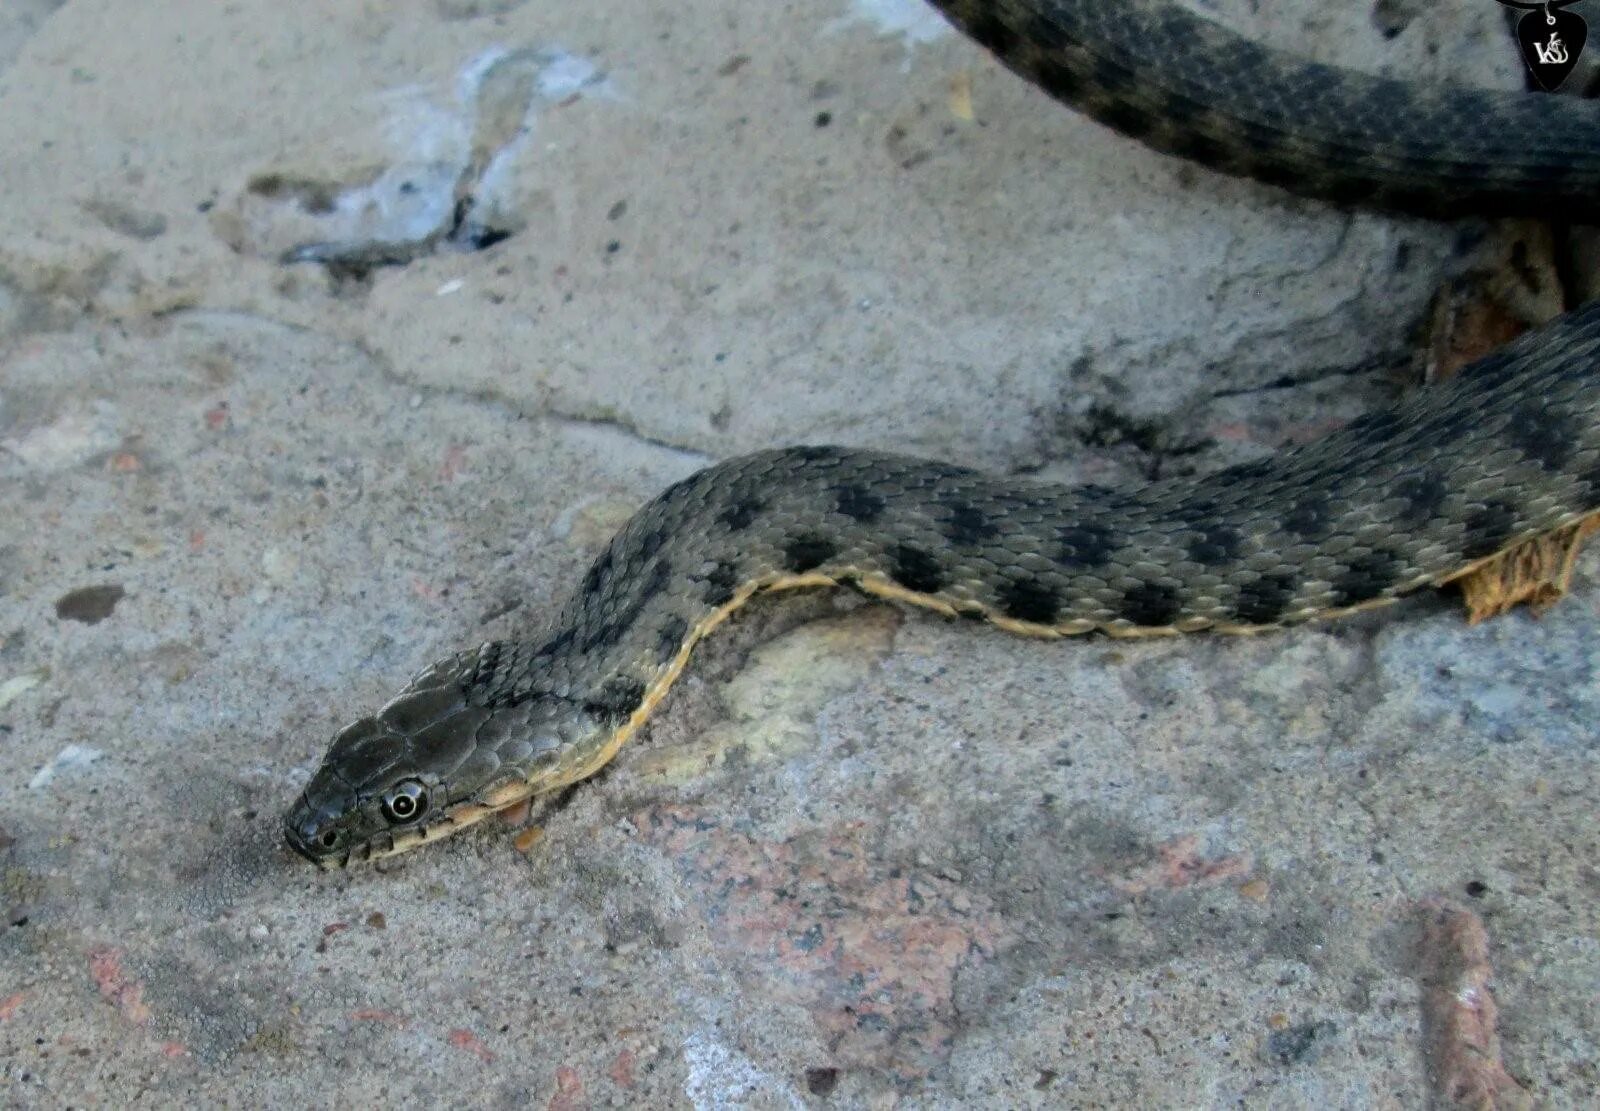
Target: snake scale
{"x":1397,"y":500}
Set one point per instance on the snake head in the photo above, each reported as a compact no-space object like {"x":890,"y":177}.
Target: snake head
{"x":436,"y":759}
{"x":361,"y":795}
{"x":428,"y":763}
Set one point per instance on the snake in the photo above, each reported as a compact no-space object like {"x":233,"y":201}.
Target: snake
{"x":1397,"y":500}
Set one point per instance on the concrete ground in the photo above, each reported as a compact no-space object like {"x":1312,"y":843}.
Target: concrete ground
{"x":282,"y":419}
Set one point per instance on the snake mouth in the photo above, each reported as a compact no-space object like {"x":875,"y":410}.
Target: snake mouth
{"x":325,"y":861}
{"x":442,"y":823}
{"x":305,"y":835}
{"x":301,"y":848}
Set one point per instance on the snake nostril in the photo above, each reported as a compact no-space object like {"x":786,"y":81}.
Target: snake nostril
{"x":306,"y":831}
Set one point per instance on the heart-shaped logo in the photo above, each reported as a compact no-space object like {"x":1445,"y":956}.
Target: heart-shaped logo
{"x":1551,"y":39}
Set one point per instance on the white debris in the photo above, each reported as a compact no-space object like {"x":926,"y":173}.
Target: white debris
{"x":915,"y":20}
{"x":564,"y":74}
{"x":73,"y":756}
{"x":720,"y":1077}
{"x":18,"y":685}
{"x":68,"y":441}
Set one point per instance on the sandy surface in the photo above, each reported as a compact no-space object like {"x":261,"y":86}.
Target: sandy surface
{"x":276,"y":429}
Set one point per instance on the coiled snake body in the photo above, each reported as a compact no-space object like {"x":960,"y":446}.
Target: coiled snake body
{"x":1398,"y":500}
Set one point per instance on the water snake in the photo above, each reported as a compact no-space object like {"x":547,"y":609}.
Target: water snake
{"x":1395,"y":501}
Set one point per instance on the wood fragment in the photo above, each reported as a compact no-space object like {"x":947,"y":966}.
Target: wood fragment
{"x":1536,"y":573}
{"x":1459,"y":1014}
{"x":528,"y":838}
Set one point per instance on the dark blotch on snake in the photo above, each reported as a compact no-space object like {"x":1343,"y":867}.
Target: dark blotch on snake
{"x":937,"y":471}
{"x":820,"y":453}
{"x":1265,"y":168}
{"x":1204,"y":149}
{"x":1309,"y":517}
{"x":595,"y":575}
{"x":993,"y":31}
{"x":1060,"y":78}
{"x":1542,"y":434}
{"x":1214,"y":546}
{"x":1449,"y":426}
{"x":1367,"y":576}
{"x":1252,"y":471}
{"x":741,"y":513}
{"x":670,"y":637}
{"x":611,"y":632}
{"x":1151,"y":605}
{"x":603,"y":635}
{"x":617,"y":697}
{"x":1085,"y":546}
{"x":720,"y":583}
{"x":1264,"y":601}
{"x":650,"y":543}
{"x":858,"y":503}
{"x":1424,"y":496}
{"x":1492,"y":370}
{"x":1411,"y":200}
{"x":1110,"y":74}
{"x":1346,"y":190}
{"x":915,"y":569}
{"x":806,"y":553}
{"x":1374,"y":428}
{"x":1130,"y":119}
{"x":558,"y":643}
{"x":1488,"y":529}
{"x":1195,"y":511}
{"x":487,"y":662}
{"x":1026,"y":600}
{"x":1045,"y":34}
{"x":1548,"y":172}
{"x":967,"y":525}
{"x":660,"y":575}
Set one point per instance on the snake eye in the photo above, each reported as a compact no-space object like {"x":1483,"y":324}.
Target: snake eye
{"x":405,"y":802}
{"x":330,"y":839}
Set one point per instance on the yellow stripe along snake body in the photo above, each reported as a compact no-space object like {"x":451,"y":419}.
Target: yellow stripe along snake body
{"x":1397,"y":500}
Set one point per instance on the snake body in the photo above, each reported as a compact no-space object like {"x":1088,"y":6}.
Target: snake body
{"x":1400,"y":499}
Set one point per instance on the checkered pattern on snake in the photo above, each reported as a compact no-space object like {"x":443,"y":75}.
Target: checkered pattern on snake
{"x":1392,"y":502}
